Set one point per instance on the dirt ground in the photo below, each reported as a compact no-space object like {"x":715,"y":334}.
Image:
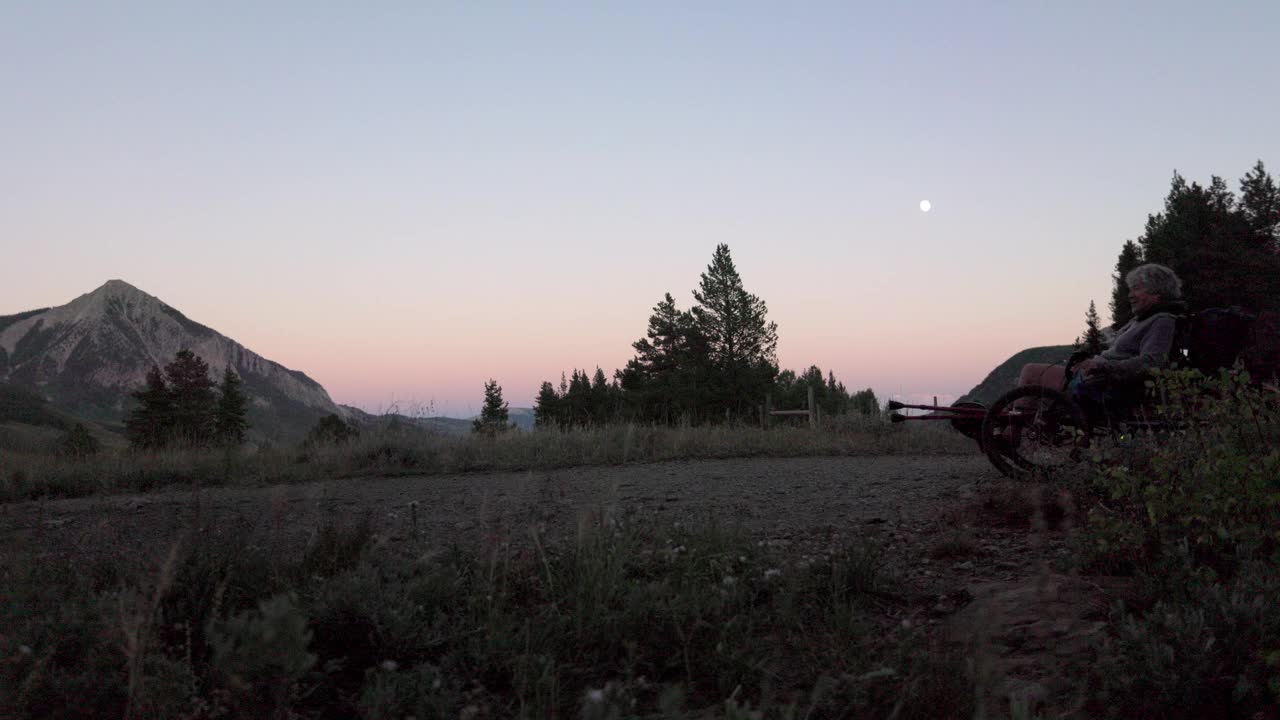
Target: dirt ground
{"x":971,"y":571}
{"x":769,"y":496}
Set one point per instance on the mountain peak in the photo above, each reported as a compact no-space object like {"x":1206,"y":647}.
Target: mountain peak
{"x":117,"y":288}
{"x":113,"y":293}
{"x":88,"y":355}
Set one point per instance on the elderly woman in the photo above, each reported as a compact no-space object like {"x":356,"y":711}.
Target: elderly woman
{"x":1144,"y":343}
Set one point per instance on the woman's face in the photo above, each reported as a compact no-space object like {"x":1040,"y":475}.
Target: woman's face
{"x":1141,"y":300}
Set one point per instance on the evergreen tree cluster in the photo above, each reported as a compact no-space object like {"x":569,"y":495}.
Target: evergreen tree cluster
{"x":183,"y":406}
{"x":791,"y":391}
{"x":582,"y":401}
{"x":1226,"y":248}
{"x":716,"y":361}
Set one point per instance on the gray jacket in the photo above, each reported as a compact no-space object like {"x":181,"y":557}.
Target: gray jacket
{"x":1140,"y":345}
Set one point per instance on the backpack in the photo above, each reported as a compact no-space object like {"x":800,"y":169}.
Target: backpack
{"x":1215,"y":337}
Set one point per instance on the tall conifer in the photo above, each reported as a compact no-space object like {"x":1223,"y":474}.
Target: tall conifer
{"x":150,"y":425}
{"x":1130,"y":258}
{"x":546,"y":408}
{"x":742,"y":342}
{"x":1091,"y":341}
{"x":194,"y":401}
{"x":231,"y":420}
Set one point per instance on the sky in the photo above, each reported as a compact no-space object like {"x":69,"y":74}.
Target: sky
{"x":404,"y":200}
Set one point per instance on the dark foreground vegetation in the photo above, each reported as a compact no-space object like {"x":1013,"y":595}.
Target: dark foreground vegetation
{"x":632,"y":618}
{"x":1193,"y":516}
{"x":625,"y":620}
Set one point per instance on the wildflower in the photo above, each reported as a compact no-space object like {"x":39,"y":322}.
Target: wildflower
{"x":390,"y":665}
{"x":729,"y":580}
{"x":595,"y":695}
{"x":772,"y":573}
{"x":24,"y":649}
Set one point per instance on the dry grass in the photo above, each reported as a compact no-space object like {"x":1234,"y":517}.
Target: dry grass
{"x":31,"y":475}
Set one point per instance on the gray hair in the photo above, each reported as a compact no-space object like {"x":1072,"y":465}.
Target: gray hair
{"x":1155,"y":279}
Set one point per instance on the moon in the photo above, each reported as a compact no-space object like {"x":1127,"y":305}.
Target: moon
{"x":925,"y":206}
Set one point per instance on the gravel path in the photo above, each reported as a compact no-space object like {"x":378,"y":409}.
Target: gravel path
{"x":762,"y":495}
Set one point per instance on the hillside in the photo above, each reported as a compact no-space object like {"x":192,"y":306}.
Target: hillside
{"x":27,"y":422}
{"x":521,"y":417}
{"x":1005,"y":376}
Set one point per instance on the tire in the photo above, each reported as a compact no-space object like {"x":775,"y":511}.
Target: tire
{"x":1034,"y":431}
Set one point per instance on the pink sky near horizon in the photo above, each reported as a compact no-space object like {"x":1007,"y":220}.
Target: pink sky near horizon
{"x":432,"y":355}
{"x":405,"y":203}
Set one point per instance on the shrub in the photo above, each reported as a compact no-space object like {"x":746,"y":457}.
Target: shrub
{"x":1193,"y":513}
{"x":78,"y":443}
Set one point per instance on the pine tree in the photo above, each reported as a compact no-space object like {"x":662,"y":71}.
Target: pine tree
{"x":1210,"y":241}
{"x":665,"y":380}
{"x":578,"y":399}
{"x":230,"y":422}
{"x":1130,"y":258}
{"x":788,"y":393}
{"x":865,"y":402}
{"x":493,"y":414}
{"x":600,"y":411}
{"x":1260,"y":203}
{"x":650,"y":377}
{"x":1091,"y":341}
{"x":194,"y":402}
{"x":837,"y":396}
{"x":564,"y":411}
{"x":150,"y":425}
{"x":812,"y":378}
{"x":546,"y":408}
{"x":741,"y":341}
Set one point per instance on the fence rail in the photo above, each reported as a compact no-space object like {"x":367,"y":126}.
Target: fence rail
{"x":811,"y":410}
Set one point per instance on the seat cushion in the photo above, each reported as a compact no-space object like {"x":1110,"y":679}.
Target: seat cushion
{"x":1043,"y":374}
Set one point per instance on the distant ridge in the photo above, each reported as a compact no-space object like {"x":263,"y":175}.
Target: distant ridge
{"x":522,"y":418}
{"x":86,"y":357}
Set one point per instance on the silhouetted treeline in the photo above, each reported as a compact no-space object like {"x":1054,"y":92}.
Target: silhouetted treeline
{"x":182,"y":405}
{"x":712,"y":363}
{"x":1226,"y":248}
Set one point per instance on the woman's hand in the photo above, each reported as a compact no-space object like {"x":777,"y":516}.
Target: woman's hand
{"x":1091,"y":365}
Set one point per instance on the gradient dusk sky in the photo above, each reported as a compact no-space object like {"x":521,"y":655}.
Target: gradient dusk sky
{"x":405,"y":199}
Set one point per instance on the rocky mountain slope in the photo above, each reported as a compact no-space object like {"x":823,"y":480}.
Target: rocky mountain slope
{"x":85,"y":358}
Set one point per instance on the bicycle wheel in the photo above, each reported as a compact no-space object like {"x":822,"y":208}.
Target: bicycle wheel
{"x":1034,"y":431}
